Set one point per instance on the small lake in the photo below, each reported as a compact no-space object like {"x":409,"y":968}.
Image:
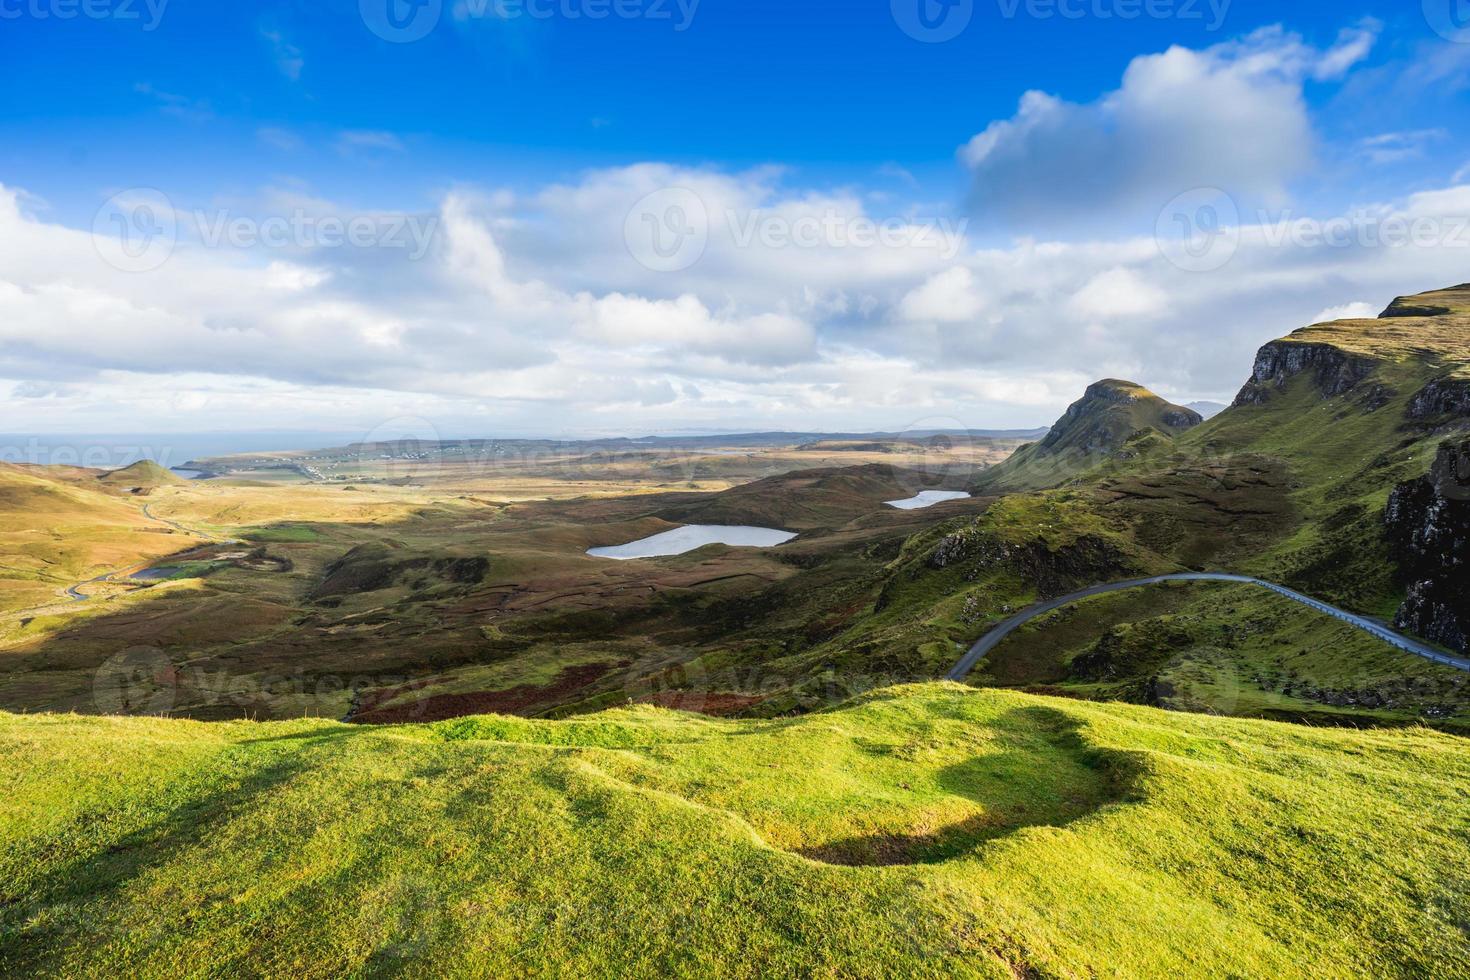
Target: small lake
{"x":685,"y":539}
{"x":928,"y":499}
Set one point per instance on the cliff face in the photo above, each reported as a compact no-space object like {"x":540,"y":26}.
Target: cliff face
{"x":1445,"y":398}
{"x":1336,"y":372}
{"x":1429,"y":526}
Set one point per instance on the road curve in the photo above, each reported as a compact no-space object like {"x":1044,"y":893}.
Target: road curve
{"x":75,"y":593}
{"x":989,"y":641}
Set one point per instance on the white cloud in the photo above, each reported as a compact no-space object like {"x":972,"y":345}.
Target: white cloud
{"x":1118,"y":292}
{"x":946,"y":297}
{"x":1347,"y":311}
{"x":288,"y":56}
{"x":528,"y":313}
{"x":1231,"y":116}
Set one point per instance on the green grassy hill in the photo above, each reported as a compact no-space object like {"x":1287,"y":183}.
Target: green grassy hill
{"x":920,"y":831}
{"x":144,"y":473}
{"x":1109,"y":415}
{"x":58,"y":526}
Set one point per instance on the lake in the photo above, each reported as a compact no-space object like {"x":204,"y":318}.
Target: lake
{"x":685,"y":539}
{"x":928,"y":499}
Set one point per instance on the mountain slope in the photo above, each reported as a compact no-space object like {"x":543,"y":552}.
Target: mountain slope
{"x":143,"y":474}
{"x":58,"y":526}
{"x":928,"y":830}
{"x":1109,"y":415}
{"x":1291,"y":484}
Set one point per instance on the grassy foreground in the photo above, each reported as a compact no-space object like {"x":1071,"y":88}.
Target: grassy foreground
{"x":920,"y":830}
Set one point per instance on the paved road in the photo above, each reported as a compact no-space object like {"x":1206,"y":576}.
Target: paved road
{"x":74,"y":592}
{"x":1407,"y":644}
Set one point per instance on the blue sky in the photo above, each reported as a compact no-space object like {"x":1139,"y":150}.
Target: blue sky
{"x":832,"y":89}
{"x":521,"y":135}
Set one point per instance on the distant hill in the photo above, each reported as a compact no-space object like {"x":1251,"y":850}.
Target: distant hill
{"x":1109,"y":415}
{"x":102,"y":531}
{"x":144,"y":473}
{"x":1207,"y":410}
{"x":1341,"y":470}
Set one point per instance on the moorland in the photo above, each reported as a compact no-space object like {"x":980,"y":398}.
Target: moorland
{"x":388,"y":715}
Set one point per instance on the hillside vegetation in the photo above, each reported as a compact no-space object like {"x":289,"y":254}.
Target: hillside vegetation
{"x":1109,"y":415}
{"x":59,"y":526}
{"x":919,"y":831}
{"x":1291,"y":484}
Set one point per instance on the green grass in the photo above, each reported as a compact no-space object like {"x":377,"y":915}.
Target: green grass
{"x":1234,"y":650}
{"x":919,"y":831}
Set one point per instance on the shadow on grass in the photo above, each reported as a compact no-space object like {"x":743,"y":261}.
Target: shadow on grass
{"x":1047,"y":776}
{"x":49,"y":912}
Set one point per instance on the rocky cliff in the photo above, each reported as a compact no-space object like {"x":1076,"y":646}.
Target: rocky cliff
{"x":1429,"y":526}
{"x":1335,"y":371}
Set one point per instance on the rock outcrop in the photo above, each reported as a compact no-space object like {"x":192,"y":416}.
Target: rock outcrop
{"x":1429,"y":527}
{"x":1441,"y":302}
{"x":1334,"y":371}
{"x":1445,"y":398}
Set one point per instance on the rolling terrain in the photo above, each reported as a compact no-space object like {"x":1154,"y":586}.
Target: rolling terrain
{"x":449,"y":588}
{"x":917,"y":831}
{"x":405,"y":723}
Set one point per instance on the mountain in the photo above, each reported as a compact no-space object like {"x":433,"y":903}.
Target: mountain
{"x":1342,"y":470}
{"x":1207,"y":410}
{"x":926,"y":830}
{"x":144,"y":474}
{"x":1109,"y":415}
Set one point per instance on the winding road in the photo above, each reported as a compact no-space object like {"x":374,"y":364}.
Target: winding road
{"x":75,"y":592}
{"x":989,"y":641}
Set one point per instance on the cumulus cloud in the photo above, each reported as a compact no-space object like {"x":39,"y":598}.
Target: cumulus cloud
{"x":1231,"y":116}
{"x":1347,"y":311}
{"x":528,"y":313}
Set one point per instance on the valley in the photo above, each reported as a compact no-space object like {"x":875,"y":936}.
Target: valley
{"x":436,"y":581}
{"x":767,"y":706}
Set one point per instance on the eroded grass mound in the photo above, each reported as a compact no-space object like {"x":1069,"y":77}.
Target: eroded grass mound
{"x":918,"y":831}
